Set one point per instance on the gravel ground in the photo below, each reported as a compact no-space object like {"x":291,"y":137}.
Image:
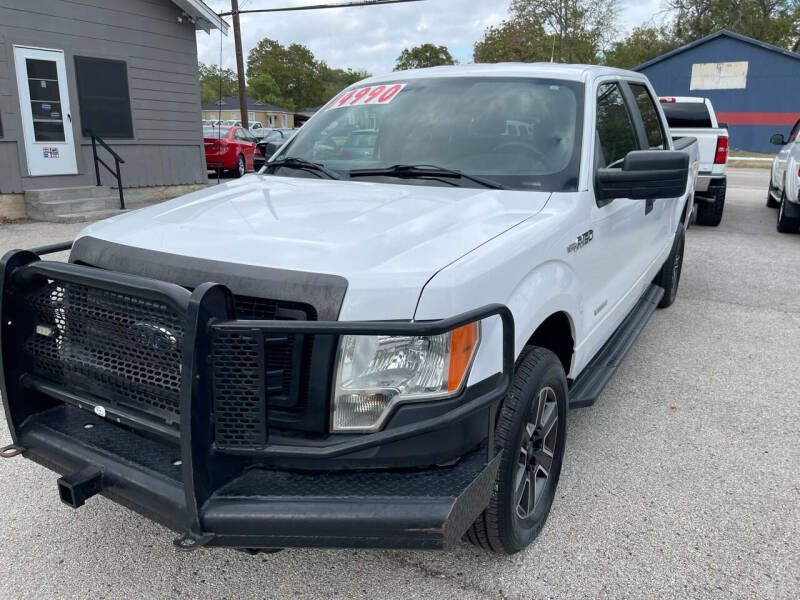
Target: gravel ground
{"x":683,"y":481}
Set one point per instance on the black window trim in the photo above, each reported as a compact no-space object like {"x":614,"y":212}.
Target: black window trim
{"x":635,"y":115}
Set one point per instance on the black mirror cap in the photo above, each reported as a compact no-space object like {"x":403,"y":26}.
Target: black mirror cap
{"x":722,"y":125}
{"x":777,"y":139}
{"x":645,"y":175}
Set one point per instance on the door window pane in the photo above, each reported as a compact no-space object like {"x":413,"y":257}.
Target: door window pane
{"x":41,"y":69}
{"x":614,"y":126}
{"x":48,"y":119}
{"x":652,"y":124}
{"x":48,"y":132}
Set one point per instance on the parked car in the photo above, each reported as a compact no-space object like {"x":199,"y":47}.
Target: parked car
{"x":269,"y":144}
{"x":232,"y":123}
{"x":229,"y":149}
{"x":376,"y":350}
{"x":784,"y":181}
{"x":695,"y":117}
{"x":255,"y":125}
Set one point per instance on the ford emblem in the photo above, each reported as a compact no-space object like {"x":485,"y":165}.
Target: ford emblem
{"x":153,"y":337}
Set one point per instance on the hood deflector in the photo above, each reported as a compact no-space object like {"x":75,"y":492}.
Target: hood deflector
{"x":322,"y":291}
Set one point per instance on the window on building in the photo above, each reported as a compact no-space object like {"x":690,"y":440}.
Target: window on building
{"x":647,"y":108}
{"x":614,"y":126}
{"x":103,"y":97}
{"x":251,"y":116}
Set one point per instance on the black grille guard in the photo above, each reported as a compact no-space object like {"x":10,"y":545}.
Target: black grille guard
{"x":195,"y":498}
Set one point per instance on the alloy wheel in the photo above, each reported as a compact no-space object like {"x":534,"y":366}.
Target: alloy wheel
{"x":241,"y":165}
{"x":536,"y":453}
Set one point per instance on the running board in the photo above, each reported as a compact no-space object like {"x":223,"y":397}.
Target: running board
{"x":585,"y":390}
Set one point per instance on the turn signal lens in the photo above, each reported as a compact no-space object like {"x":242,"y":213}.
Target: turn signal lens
{"x":463,"y":343}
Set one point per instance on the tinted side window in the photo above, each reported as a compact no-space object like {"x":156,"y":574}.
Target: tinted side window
{"x":647,"y":108}
{"x":686,"y":114}
{"x":614,"y":126}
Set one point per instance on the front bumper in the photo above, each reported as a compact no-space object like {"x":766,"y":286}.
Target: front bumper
{"x":185,"y":482}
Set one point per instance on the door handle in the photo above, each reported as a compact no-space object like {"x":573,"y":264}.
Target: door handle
{"x":648,"y":206}
{"x":69,"y":116}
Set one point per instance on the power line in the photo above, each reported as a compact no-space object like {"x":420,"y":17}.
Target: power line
{"x":318,"y":6}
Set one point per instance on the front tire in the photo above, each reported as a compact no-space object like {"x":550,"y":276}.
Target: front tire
{"x":710,"y":213}
{"x":530,"y":434}
{"x":786,"y":224}
{"x":670,"y":275}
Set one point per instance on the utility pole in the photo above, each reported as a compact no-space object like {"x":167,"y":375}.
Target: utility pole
{"x":237,"y":42}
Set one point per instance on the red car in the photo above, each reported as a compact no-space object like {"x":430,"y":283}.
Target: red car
{"x":229,"y":148}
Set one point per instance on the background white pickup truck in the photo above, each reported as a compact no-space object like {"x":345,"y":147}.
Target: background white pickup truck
{"x":784,"y":181}
{"x":688,"y":116}
{"x":370,"y":348}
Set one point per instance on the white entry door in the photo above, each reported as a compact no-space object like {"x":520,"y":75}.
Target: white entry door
{"x":44,"y":107}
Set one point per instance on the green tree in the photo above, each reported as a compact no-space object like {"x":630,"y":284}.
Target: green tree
{"x":335,"y":80}
{"x":294,"y":69}
{"x":561,"y":30}
{"x":211,"y":78}
{"x":642,"y":44}
{"x":425,"y":55}
{"x":773,"y":21}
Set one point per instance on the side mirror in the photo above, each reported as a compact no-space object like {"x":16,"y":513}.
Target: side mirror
{"x":777,"y":139}
{"x":721,"y":124}
{"x":645,"y":175}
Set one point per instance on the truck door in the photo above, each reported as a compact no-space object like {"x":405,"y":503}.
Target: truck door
{"x":612,"y":263}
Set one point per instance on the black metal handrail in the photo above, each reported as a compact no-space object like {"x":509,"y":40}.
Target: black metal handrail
{"x":99,"y":161}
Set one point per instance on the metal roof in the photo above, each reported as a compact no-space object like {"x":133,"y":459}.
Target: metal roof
{"x":713,"y":36}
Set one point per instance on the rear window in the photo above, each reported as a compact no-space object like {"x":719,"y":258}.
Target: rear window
{"x":686,"y":114}
{"x":215,"y":131}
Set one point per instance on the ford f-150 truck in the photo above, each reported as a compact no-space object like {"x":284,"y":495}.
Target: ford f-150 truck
{"x":689,"y":116}
{"x":784,"y":181}
{"x":365,"y":349}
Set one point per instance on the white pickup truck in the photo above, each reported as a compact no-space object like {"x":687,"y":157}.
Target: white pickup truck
{"x":689,"y":116}
{"x":369,"y":349}
{"x":784,"y":181}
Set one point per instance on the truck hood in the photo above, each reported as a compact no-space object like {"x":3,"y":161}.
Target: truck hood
{"x":376,"y":235}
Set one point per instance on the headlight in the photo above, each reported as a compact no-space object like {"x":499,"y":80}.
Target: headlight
{"x":376,"y":372}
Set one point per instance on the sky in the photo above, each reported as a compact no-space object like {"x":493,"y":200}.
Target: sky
{"x":372,"y":37}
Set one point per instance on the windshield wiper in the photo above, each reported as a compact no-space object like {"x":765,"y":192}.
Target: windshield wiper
{"x":418,"y":171}
{"x":293,"y":162}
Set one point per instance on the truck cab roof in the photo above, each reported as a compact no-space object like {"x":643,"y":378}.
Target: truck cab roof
{"x":570,"y":72}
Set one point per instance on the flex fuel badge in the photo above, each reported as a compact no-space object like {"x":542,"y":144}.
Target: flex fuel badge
{"x":378,"y":94}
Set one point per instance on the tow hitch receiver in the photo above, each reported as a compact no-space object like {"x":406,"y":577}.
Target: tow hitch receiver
{"x":11,"y":451}
{"x":77,"y":488}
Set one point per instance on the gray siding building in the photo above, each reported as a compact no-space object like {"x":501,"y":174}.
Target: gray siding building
{"x":123,"y":70}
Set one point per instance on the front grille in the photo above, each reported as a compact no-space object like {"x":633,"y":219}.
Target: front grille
{"x":126,"y":351}
{"x":122,"y":349}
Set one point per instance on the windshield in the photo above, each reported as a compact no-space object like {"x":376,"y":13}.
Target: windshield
{"x":523,"y":133}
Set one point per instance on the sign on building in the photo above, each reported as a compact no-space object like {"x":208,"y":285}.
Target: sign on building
{"x":719,"y":76}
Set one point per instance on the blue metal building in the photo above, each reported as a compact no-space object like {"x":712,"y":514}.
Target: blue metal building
{"x":754,"y":87}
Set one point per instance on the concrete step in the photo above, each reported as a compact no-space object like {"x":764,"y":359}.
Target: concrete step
{"x":50,"y":208}
{"x":84,"y":217}
{"x":69,"y":193}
